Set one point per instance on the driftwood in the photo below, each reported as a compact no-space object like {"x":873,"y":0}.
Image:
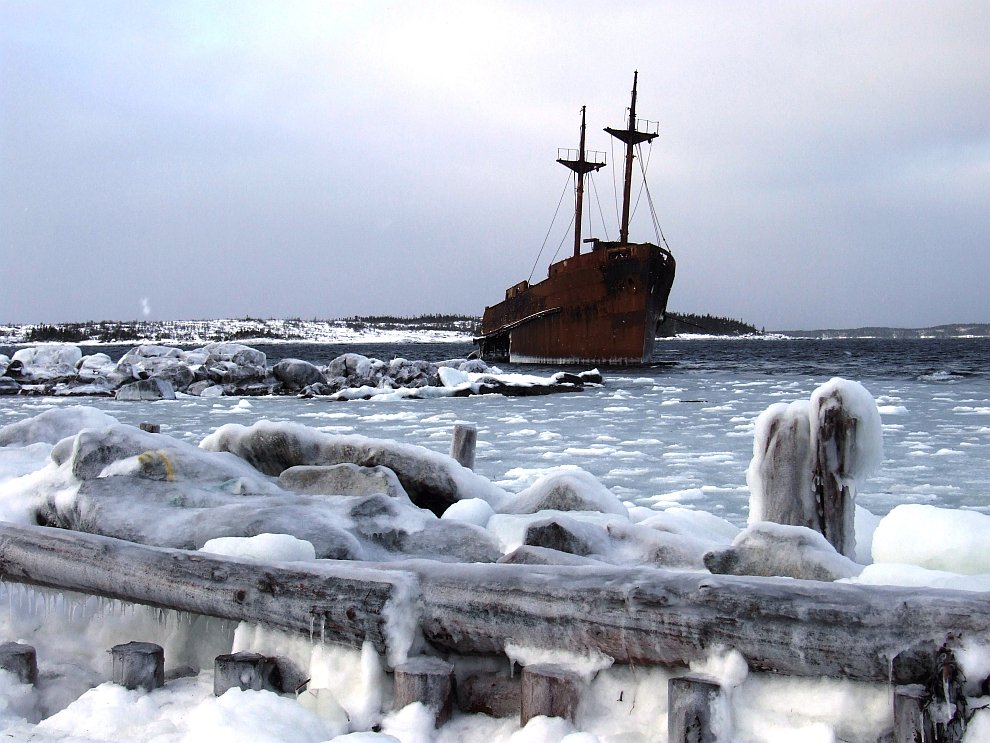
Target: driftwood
{"x":642,"y":616}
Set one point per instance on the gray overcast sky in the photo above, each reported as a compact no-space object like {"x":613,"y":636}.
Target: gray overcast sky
{"x":820,"y":164}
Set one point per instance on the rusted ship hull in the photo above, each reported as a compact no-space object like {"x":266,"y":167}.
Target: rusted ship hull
{"x":600,"y":307}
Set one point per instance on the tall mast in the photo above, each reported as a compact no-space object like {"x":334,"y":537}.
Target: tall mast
{"x":632,"y":137}
{"x":581,"y":165}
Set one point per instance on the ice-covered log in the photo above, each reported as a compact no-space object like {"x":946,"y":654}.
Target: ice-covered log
{"x":341,"y":602}
{"x":641,"y":616}
{"x":659,"y":617}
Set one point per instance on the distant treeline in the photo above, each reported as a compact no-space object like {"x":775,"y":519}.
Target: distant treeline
{"x":677,"y":323}
{"x":466,"y":323}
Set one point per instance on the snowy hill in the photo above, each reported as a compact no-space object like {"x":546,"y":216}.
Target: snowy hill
{"x":379,"y":329}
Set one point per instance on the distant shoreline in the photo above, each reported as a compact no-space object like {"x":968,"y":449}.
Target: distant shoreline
{"x":451,"y":329}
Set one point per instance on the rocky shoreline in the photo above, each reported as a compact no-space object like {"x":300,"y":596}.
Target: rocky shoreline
{"x":155,"y":372}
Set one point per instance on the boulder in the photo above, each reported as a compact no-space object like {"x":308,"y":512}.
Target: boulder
{"x":768,"y":549}
{"x":341,"y":479}
{"x":146,"y":389}
{"x":296,"y":374}
{"x":568,"y":535}
{"x":566,"y":490}
{"x":432,"y":480}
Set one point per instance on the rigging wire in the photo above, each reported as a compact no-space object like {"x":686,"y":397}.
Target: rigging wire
{"x":653,"y":211}
{"x":549,"y":230}
{"x":601,"y":214}
{"x":567,"y":233}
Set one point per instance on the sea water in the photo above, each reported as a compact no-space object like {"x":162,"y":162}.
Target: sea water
{"x":676,"y":432}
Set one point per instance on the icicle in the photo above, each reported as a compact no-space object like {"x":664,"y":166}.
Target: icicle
{"x":323,"y":629}
{"x":312,"y":622}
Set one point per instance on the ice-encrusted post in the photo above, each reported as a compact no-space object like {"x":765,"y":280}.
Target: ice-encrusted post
{"x":779,"y":476}
{"x":463,"y":444}
{"x":20,"y":660}
{"x":138,"y":665}
{"x":909,"y":719}
{"x":244,"y":671}
{"x":693,"y":709}
{"x":426,"y":680}
{"x":847,"y":446}
{"x":548,"y":690}
{"x":808,"y":458}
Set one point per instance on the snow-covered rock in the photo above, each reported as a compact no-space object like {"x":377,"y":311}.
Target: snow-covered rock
{"x":770,"y":549}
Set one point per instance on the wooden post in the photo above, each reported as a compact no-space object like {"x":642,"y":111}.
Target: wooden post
{"x":243,"y":671}
{"x":549,"y":690}
{"x":785,"y":469}
{"x":909,"y":718}
{"x":463,"y":444}
{"x":138,"y":665}
{"x":427,"y":680}
{"x":21,"y":660}
{"x":150,"y":427}
{"x":492,"y":694}
{"x":692,"y":708}
{"x":833,"y":460}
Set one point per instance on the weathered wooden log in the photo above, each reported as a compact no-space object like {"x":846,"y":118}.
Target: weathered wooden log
{"x":138,"y":665}
{"x":343,"y":602}
{"x":548,"y":690}
{"x":20,"y":660}
{"x":645,"y":616}
{"x":692,"y":703}
{"x":429,"y":681}
{"x":659,"y":617}
{"x":462,"y":446}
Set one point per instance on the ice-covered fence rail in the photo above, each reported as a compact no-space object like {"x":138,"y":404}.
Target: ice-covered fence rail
{"x":643,"y":616}
{"x":344,"y":602}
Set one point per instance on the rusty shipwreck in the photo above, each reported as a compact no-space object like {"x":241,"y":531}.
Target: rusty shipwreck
{"x":601,"y":306}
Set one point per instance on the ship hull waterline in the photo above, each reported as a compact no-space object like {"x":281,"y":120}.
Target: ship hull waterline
{"x":600,"y":307}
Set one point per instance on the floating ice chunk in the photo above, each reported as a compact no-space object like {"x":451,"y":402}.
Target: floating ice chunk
{"x":934,"y":538}
{"x":262,"y":548}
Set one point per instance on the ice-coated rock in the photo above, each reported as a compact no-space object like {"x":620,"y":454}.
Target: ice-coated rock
{"x":568,"y":535}
{"x":566,"y":489}
{"x":432,"y":480}
{"x":146,"y":389}
{"x":354,"y":370}
{"x":47,"y":362}
{"x":9,"y":386}
{"x":296,"y":374}
{"x":404,"y":373}
{"x":51,"y":426}
{"x":342,"y":479}
{"x":768,"y":549}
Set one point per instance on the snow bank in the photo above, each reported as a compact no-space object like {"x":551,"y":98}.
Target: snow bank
{"x":934,"y":538}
